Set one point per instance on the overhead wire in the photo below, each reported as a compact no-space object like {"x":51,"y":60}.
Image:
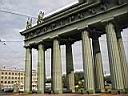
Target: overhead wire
{"x":18,"y":14}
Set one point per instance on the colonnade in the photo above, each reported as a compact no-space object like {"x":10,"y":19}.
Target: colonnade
{"x":92,"y":63}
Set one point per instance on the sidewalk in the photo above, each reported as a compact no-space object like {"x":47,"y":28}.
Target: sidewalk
{"x":64,"y":95}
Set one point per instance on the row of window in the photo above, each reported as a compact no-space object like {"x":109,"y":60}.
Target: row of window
{"x":11,"y":73}
{"x":11,"y":77}
{"x":9,"y":82}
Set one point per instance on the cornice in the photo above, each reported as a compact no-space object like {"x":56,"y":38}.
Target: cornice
{"x":68,"y":16}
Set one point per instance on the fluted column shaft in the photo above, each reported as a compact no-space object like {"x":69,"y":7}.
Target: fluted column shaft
{"x":41,"y":68}
{"x":98,"y":65}
{"x":70,"y":68}
{"x":88,"y":63}
{"x":52,"y":70}
{"x":57,"y":70}
{"x":124,"y":64}
{"x":114,"y":58}
{"x":28,"y":71}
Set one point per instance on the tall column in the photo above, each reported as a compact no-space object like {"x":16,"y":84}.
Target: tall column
{"x":57,"y":70}
{"x":88,"y":63}
{"x":28,"y":71}
{"x":52,"y":70}
{"x":114,"y":58}
{"x":98,"y":65}
{"x":69,"y":68}
{"x":124,"y":64}
{"x":41,"y":68}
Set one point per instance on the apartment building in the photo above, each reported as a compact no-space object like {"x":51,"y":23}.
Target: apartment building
{"x":13,"y":78}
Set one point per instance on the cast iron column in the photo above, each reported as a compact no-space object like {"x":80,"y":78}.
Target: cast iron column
{"x":98,"y":64}
{"x":28,"y":71}
{"x":114,"y":58}
{"x":70,"y":68}
{"x":88,"y":63}
{"x":41,"y":68}
{"x":57,"y":70}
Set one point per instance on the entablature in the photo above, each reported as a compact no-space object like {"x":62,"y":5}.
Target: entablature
{"x":69,"y":16}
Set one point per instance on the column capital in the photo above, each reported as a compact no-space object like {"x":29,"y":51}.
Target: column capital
{"x":115,"y":25}
{"x":27,"y":46}
{"x":56,"y":37}
{"x":40,"y":42}
{"x":31,"y":45}
{"x":107,"y":20}
{"x":86,"y":30}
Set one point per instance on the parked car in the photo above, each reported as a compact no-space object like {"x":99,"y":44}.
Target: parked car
{"x":8,"y":90}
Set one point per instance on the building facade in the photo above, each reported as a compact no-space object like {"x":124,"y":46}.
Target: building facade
{"x":13,"y":78}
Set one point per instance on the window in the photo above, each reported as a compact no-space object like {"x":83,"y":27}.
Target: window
{"x":9,"y":73}
{"x":12,"y":77}
{"x":2,"y":73}
{"x":21,"y":73}
{"x":5,"y":82}
{"x":1,"y":81}
{"x":8,"y":82}
{"x":15,"y":77}
{"x":5,"y":73}
{"x":5,"y":77}
{"x":12,"y":73}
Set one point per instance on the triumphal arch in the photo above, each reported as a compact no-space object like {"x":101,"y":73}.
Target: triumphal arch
{"x":88,"y":19}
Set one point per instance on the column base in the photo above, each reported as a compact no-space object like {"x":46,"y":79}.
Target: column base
{"x":58,"y":92}
{"x":40,"y":92}
{"x":118,"y":91}
{"x":89,"y":91}
{"x":28,"y":92}
{"x":99,"y":90}
{"x":73,"y":91}
{"x":126,"y":90}
{"x":68,"y":91}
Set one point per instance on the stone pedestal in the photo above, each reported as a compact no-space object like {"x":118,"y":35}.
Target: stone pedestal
{"x":69,"y":68}
{"x":98,"y":65}
{"x":88,"y":63}
{"x":41,"y":69}
{"x":114,"y":58}
{"x":28,"y":71}
{"x":57,"y":70}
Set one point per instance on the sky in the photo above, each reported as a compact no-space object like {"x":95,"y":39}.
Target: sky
{"x":11,"y":47}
